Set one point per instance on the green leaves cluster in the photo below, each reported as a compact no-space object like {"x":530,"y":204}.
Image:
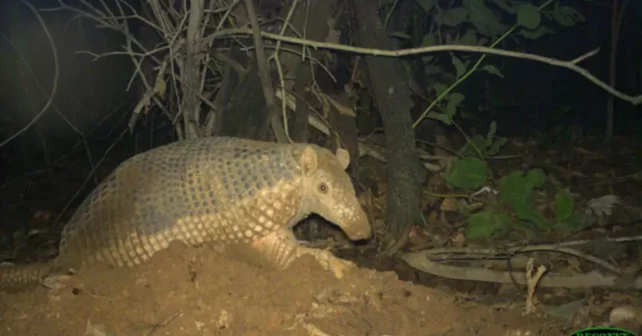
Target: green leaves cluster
{"x":483,"y":20}
{"x":530,"y":18}
{"x":517,"y":191}
{"x":484,"y":147}
{"x":470,"y":171}
{"x":475,"y":22}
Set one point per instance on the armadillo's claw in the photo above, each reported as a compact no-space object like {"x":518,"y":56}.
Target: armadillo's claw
{"x":339,"y":266}
{"x":331,"y":263}
{"x":56,"y":282}
{"x":303,"y":242}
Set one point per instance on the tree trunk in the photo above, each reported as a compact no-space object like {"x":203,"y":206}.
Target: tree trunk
{"x":388,"y":84}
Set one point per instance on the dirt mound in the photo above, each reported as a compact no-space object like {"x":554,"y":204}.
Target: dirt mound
{"x":190,"y":291}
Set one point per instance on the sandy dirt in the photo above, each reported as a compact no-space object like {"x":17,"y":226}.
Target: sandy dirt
{"x":193,"y":291}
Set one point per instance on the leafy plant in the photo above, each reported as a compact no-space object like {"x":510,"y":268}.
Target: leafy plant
{"x":468,"y":173}
{"x":517,"y":190}
{"x":565,"y":214}
{"x":484,"y":147}
{"x":486,"y":224}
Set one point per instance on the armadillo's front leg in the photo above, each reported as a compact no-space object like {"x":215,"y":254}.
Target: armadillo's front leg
{"x":281,"y":248}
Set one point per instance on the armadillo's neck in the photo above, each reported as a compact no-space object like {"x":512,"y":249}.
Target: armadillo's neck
{"x":298,"y":195}
{"x":300,"y":215}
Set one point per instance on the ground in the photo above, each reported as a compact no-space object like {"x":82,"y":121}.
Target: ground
{"x":192,"y":291}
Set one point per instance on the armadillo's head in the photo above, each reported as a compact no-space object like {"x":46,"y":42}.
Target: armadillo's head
{"x":328,"y":191}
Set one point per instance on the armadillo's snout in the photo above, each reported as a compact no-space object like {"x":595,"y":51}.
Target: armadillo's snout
{"x":361,"y":234}
{"x":357,"y":226}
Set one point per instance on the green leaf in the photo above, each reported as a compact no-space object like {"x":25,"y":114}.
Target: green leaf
{"x":491,"y":130}
{"x":469,"y":38}
{"x":444,"y":118}
{"x":485,"y":224}
{"x":460,"y":68}
{"x":529,"y":214}
{"x":573,"y":222}
{"x":567,"y":16}
{"x":440,"y":88}
{"x":497,"y":145}
{"x":483,"y":18}
{"x":491,"y":69}
{"x":454,"y":99}
{"x":468,"y":173}
{"x":452,"y":17}
{"x":564,"y":205}
{"x":517,"y":188}
{"x":469,"y":149}
{"x":428,"y":40}
{"x":528,"y":16}
{"x":426,"y":4}
{"x":535,"y":178}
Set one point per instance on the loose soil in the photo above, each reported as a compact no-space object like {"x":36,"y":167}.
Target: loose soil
{"x":194,"y":291}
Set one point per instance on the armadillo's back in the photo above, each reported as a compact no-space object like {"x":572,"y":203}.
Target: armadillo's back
{"x":194,"y":191}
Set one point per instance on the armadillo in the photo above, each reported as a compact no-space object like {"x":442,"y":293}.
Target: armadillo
{"x":218,"y":190}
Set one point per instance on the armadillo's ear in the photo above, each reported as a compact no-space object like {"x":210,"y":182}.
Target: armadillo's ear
{"x":344,"y":157}
{"x":309,"y":161}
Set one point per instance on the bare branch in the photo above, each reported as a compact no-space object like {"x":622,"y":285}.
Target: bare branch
{"x":635,"y":100}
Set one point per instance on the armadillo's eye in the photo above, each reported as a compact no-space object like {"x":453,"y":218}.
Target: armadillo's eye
{"x":323,"y":188}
